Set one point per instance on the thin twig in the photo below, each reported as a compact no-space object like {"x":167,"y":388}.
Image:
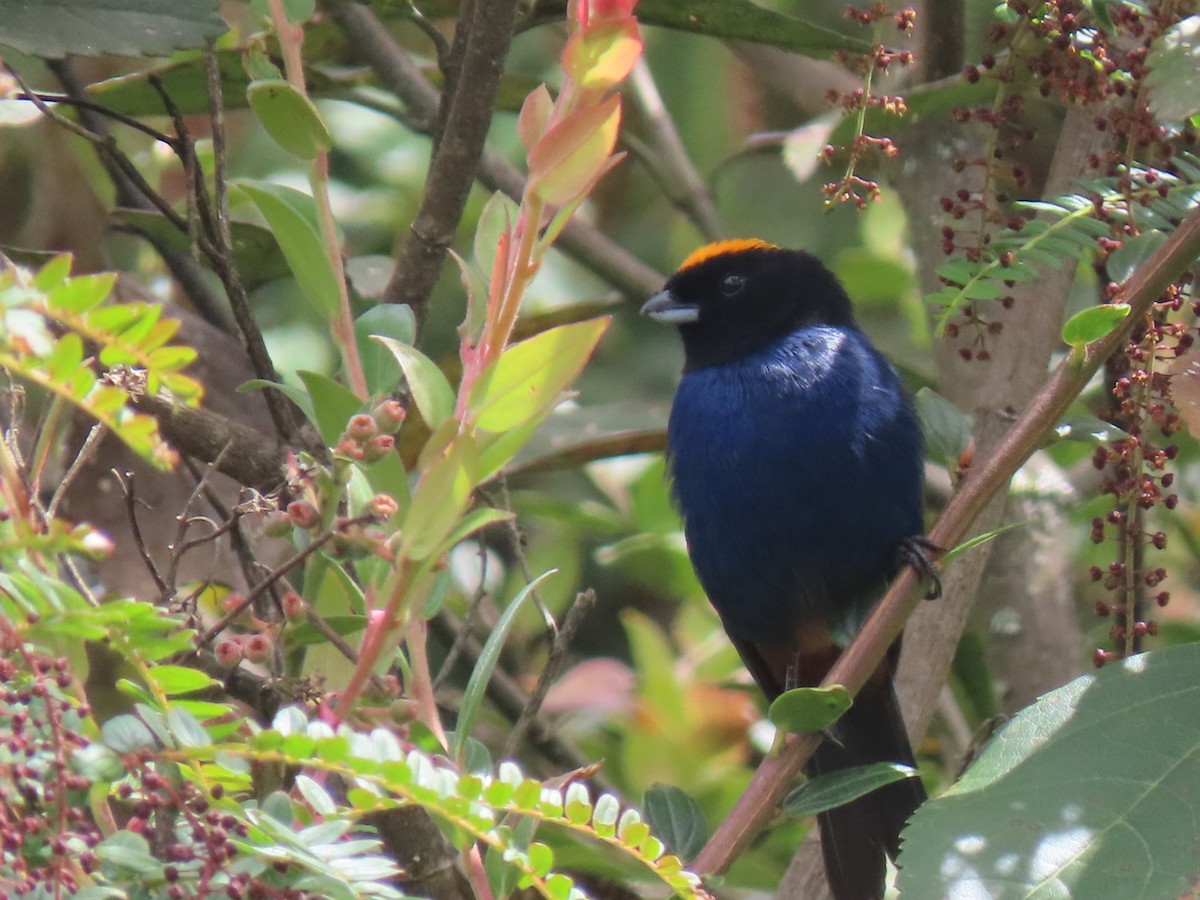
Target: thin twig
{"x":284,"y":415}
{"x":79,"y":103}
{"x":133,"y":192}
{"x":126,"y":480}
{"x":675,"y":168}
{"x":91,"y":444}
{"x":180,"y":546}
{"x":291,"y":39}
{"x":277,"y":573}
{"x":550,"y":671}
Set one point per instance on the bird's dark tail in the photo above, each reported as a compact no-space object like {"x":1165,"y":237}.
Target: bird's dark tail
{"x":857,"y":838}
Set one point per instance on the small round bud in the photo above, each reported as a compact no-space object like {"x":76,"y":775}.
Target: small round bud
{"x":293,"y":605}
{"x":229,"y":652}
{"x":361,"y":427}
{"x":379,"y":446}
{"x":389,"y":416}
{"x":258,"y":648}
{"x":382,"y":505}
{"x":303,"y":514}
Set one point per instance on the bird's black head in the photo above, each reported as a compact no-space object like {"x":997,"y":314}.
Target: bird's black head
{"x":734,"y":297}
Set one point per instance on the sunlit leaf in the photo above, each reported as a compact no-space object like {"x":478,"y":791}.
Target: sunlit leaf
{"x":530,"y":375}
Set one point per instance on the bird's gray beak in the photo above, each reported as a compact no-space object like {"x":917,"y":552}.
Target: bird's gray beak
{"x":665,"y":307}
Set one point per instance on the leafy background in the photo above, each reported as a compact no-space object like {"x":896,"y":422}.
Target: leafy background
{"x":651,"y":687}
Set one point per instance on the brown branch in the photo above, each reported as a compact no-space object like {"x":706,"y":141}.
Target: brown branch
{"x":477,"y":58}
{"x":286,"y":418}
{"x":671,"y":162}
{"x":251,"y":459}
{"x":984,"y":482}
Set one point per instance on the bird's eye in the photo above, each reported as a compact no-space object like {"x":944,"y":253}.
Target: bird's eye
{"x":732,"y":285}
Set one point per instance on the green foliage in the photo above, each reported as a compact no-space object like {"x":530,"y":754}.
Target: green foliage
{"x":1082,"y":794}
{"x":292,"y":218}
{"x":677,"y":818}
{"x":741,"y":20}
{"x":289,"y":117}
{"x":844,"y":786}
{"x":54,"y":28}
{"x":48,"y":317}
{"x":803,"y":710}
{"x":1149,"y":200}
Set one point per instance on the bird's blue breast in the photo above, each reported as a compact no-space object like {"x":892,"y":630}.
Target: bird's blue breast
{"x":797,"y":470}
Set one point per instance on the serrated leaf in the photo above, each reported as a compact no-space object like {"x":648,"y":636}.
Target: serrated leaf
{"x":809,"y":709}
{"x":676,"y":818}
{"x":843,"y":786}
{"x":55,"y":28}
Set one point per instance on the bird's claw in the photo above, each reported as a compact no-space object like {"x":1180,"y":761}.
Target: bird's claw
{"x":921,"y":554}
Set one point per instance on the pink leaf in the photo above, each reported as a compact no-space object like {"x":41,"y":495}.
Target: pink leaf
{"x":599,"y":57}
{"x":535,"y":116}
{"x":571,"y":155}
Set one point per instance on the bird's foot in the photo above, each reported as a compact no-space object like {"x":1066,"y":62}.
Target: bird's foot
{"x":922,"y":555}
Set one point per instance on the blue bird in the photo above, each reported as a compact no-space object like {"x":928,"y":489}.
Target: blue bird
{"x":796,"y":464}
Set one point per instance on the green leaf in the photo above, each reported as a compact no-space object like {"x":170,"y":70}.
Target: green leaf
{"x":289,"y":117}
{"x":473,"y":521}
{"x":292,"y":218}
{"x":809,"y":709}
{"x":472,"y":700}
{"x":1093,"y":323}
{"x":54,"y":28}
{"x":1123,"y":261}
{"x":529,"y":376}
{"x":741,"y":20}
{"x":333,"y":404}
{"x":440,"y":499}
{"x":1089,"y":793}
{"x":977,"y":540}
{"x":430,"y":389}
{"x":946,"y":428}
{"x":1173,"y":84}
{"x":843,"y":786}
{"x":390,"y":320}
{"x":186,"y":730}
{"x":676,"y":818}
{"x":175,"y":680}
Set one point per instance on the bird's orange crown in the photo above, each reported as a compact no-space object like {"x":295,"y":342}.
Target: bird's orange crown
{"x":735,"y":245}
